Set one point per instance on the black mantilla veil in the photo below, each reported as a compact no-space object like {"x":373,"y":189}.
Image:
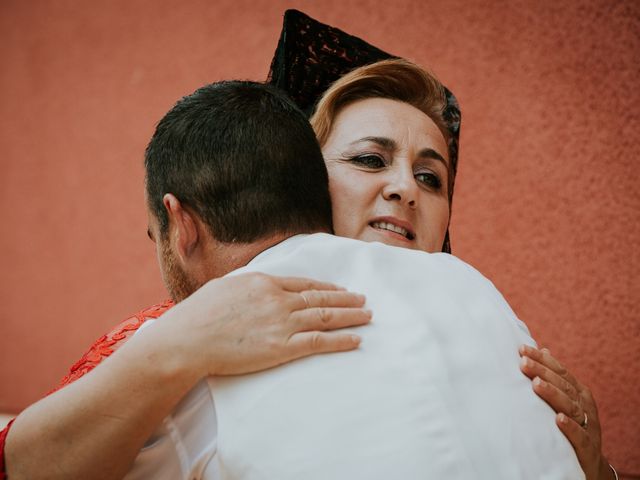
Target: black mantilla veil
{"x":311,"y":56}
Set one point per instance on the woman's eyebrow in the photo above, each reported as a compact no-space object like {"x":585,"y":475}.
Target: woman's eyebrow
{"x":384,"y":142}
{"x":431,"y":153}
{"x":390,"y":144}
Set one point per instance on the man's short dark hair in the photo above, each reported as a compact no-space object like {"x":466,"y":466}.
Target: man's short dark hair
{"x":244,"y":158}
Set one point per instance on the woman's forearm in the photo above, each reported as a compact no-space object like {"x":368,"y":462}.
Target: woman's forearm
{"x":95,"y":427}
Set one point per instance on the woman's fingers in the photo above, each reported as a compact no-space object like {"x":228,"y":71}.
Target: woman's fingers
{"x":554,"y":383}
{"x":299,"y":284}
{"x":572,"y":430}
{"x":327,"y":298}
{"x":558,"y":399}
{"x":320,"y":306}
{"x":333,"y":318}
{"x":554,"y":389}
{"x":310,"y":293}
{"x":254,"y":321}
{"x":544,"y":357}
{"x":310,"y":343}
{"x":573,"y":403}
{"x":532,"y":369}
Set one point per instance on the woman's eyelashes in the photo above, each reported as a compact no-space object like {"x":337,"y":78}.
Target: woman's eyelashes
{"x":375,"y":161}
{"x":368,"y":160}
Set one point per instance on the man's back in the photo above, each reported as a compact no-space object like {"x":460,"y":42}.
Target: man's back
{"x":433,"y":392}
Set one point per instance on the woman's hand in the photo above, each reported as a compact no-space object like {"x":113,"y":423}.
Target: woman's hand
{"x":232,"y":325}
{"x":251,"y":322}
{"x":577,"y":414}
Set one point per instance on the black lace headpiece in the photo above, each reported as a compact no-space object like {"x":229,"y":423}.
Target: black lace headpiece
{"x":311,"y":56}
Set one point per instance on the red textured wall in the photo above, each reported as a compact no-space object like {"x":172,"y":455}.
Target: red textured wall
{"x":547,"y":202}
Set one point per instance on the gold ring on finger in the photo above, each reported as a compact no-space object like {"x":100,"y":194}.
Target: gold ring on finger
{"x":585,"y":422}
{"x":306,"y":302}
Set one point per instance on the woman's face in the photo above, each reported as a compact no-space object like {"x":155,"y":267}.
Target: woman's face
{"x":388,"y":174}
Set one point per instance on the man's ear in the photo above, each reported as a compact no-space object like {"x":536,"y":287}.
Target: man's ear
{"x":183,"y":230}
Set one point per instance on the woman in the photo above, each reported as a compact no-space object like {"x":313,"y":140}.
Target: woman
{"x":393,"y":182}
{"x":367,"y":127}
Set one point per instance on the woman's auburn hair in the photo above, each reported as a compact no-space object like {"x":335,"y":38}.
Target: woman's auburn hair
{"x":395,"y":79}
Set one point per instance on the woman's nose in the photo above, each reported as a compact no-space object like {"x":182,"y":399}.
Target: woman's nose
{"x":402,"y":188}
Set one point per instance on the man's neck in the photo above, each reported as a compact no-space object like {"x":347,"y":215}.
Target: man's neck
{"x":237,"y":255}
{"x":219,"y":258}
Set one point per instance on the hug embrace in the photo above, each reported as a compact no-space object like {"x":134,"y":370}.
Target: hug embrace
{"x":318,"y":326}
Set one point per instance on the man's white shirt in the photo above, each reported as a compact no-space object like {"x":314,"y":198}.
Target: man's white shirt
{"x":434,"y":391}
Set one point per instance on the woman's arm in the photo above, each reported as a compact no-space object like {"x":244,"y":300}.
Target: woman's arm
{"x":572,"y":401}
{"x":99,"y":351}
{"x":95,"y":427}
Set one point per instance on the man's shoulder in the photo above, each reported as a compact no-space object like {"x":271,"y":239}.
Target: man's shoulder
{"x":341,"y":249}
{"x":331,"y":258}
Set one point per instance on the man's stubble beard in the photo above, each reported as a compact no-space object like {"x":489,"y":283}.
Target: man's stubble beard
{"x":176,"y":280}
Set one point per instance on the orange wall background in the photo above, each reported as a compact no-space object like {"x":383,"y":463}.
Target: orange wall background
{"x":548,"y":195}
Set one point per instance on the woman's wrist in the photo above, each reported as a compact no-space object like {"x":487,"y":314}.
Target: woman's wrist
{"x":606,"y":470}
{"x":164,"y":350}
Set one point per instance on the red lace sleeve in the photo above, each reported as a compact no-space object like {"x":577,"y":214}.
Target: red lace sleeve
{"x":101,"y":349}
{"x":109,"y":343}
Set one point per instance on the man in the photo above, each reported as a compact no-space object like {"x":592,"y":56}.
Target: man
{"x":435,"y":391}
{"x":74,"y":432}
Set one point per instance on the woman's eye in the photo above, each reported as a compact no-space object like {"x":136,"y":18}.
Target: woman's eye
{"x":368,"y":161}
{"x":429,"y":179}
